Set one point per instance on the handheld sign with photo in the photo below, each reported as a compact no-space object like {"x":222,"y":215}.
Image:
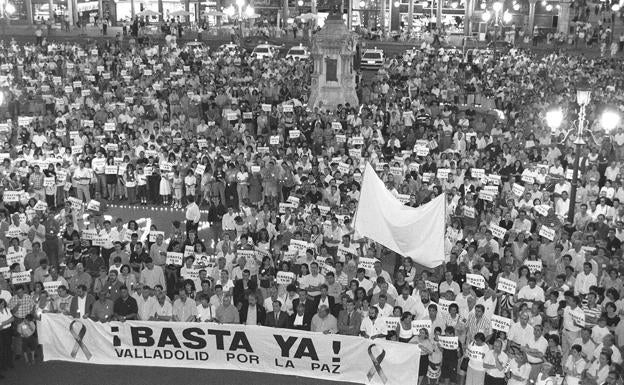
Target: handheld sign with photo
{"x":547,"y":232}
{"x":448,"y":342}
{"x":501,"y":323}
{"x":93,"y":205}
{"x":506,"y":285}
{"x":285,"y":277}
{"x":174,"y":258}
{"x":475,"y":280}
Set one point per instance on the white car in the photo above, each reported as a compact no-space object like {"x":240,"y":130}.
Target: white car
{"x":298,"y":53}
{"x":264,"y":51}
{"x":372,"y":59}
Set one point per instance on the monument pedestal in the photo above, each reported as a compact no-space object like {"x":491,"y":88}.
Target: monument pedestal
{"x":333,"y":80}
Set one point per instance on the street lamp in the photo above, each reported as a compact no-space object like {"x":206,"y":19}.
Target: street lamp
{"x":554,"y":118}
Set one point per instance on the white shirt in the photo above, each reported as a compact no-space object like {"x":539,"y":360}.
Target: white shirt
{"x":541,"y":345}
{"x":310,"y":280}
{"x":205,"y":313}
{"x":583,"y":282}
{"x":192,"y":213}
{"x":521,"y":336}
{"x":372,"y":328}
{"x":82,"y":303}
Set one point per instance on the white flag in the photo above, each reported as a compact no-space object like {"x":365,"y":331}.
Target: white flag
{"x":417,"y":233}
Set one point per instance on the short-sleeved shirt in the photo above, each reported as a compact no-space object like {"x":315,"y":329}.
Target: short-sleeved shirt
{"x":24,"y":305}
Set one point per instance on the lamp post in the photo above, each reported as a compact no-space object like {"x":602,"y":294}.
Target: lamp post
{"x":554,"y":118}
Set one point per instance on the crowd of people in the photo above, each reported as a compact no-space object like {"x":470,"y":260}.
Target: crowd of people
{"x":525,"y":294}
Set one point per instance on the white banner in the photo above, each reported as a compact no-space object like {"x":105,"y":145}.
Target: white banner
{"x":229,"y":347}
{"x":547,"y":232}
{"x":367,"y":263}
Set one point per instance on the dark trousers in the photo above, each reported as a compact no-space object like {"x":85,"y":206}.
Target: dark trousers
{"x":489,"y":380}
{"x":6,"y":352}
{"x":190,"y":225}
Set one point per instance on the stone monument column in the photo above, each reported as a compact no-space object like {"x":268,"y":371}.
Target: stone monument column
{"x":333,"y":80}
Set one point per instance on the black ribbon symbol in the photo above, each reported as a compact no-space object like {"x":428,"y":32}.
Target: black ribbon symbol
{"x":376,"y":368}
{"x":78,"y":336}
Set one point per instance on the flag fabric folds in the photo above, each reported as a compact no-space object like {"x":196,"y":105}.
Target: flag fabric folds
{"x":414,"y":232}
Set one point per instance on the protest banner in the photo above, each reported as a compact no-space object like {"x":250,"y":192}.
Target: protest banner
{"x":52,"y":287}
{"x":469,"y":212}
{"x":174,"y":258}
{"x":417,"y":325}
{"x":274,"y":140}
{"x":154,"y":234}
{"x":497,"y":231}
{"x":20,"y":277}
{"x":285,"y":277}
{"x":331,"y":357}
{"x":367,"y":263}
{"x":506,"y":285}
{"x":533,"y":266}
{"x":448,"y":342}
{"x":11,"y":196}
{"x":517,"y":190}
{"x":443,"y":305}
{"x":477,"y":173}
{"x":547,"y":232}
{"x":475,"y":280}
{"x":391,"y":322}
{"x":431,"y":286}
{"x":501,"y":323}
{"x":475,"y":352}
{"x":15,"y":257}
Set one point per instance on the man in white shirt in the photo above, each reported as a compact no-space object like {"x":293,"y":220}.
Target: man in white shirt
{"x":372,"y":326}
{"x":313,"y":281}
{"x":192,"y":215}
{"x":364,"y":282}
{"x":521,"y":333}
{"x":228,"y":223}
{"x":584,"y":280}
{"x":608,"y":343}
{"x":152,"y":275}
{"x":406,"y":301}
{"x":383,"y":307}
{"x":449,"y":284}
{"x":531,"y":293}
